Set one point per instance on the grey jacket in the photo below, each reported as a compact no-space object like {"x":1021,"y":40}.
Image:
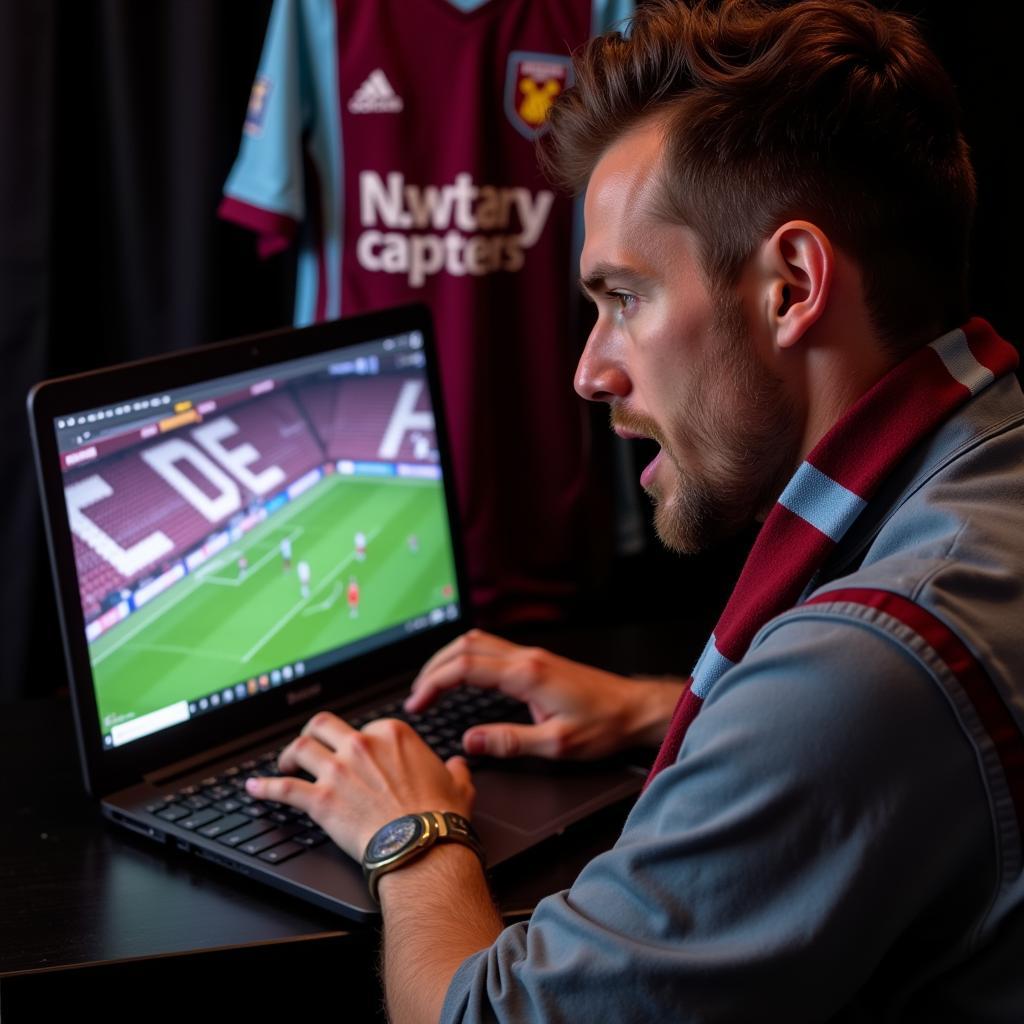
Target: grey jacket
{"x":840,"y":838}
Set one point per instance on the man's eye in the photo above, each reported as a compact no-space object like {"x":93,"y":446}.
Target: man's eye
{"x":623,"y":300}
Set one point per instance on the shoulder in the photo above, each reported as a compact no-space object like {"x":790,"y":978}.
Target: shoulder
{"x":935,"y":571}
{"x":829,"y":707}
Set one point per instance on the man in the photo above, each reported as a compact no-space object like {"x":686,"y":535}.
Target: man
{"x":777,"y":209}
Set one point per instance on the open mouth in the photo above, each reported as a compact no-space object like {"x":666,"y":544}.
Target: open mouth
{"x":649,"y":453}
{"x":647,"y":474}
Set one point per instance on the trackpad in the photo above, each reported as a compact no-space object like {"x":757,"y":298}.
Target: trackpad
{"x":525,"y":801}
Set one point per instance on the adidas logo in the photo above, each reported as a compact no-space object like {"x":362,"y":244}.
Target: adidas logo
{"x":375,"y":96}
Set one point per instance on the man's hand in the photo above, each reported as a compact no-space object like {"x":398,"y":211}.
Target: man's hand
{"x":364,"y":779}
{"x":578,"y":712}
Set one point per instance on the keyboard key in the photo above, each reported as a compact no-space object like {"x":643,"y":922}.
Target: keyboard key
{"x":197,"y":803}
{"x":268,"y":839}
{"x":200,"y":818}
{"x":276,"y":854}
{"x":157,"y":805}
{"x":223,"y":825}
{"x":228,"y":806}
{"x":246,"y":832}
{"x":311,"y":839}
{"x":255,"y":810}
{"x":174,"y":813}
{"x":219,"y":792}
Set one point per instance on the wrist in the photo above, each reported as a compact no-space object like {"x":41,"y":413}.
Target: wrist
{"x":406,"y":839}
{"x":652,"y":709}
{"x":444,"y":865}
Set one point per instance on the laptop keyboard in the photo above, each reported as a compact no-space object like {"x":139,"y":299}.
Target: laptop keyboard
{"x":218,"y":807}
{"x":441,"y":726}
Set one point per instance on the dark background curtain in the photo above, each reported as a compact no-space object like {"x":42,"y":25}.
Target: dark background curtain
{"x":118,"y":124}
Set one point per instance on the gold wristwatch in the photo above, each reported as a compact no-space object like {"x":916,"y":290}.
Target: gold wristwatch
{"x":405,"y":838}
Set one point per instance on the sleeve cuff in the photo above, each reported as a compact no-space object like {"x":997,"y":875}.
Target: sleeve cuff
{"x":456,"y":1001}
{"x":276,"y":231}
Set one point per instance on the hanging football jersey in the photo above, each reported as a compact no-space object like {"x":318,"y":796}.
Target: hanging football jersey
{"x":393,"y":142}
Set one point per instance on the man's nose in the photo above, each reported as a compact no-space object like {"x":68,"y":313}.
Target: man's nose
{"x":600,"y":373}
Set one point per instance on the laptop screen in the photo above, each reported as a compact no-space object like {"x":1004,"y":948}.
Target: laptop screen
{"x":236,"y":534}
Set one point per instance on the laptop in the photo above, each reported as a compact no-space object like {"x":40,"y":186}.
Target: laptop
{"x":241,"y":535}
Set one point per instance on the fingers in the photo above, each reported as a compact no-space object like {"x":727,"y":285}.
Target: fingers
{"x":321,"y":735}
{"x":460,"y":773}
{"x":328,"y":728}
{"x":476,"y":638}
{"x":478,"y":659}
{"x":284,"y":790}
{"x":550,"y":739}
{"x":308,"y":754}
{"x":463,"y":668}
{"x":394,"y":731}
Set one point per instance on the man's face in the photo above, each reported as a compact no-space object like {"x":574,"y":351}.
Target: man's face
{"x":676,"y":363}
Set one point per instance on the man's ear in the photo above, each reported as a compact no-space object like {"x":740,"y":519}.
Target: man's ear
{"x":796,"y":265}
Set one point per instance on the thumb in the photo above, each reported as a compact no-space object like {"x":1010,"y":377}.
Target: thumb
{"x":506,"y":739}
{"x":459,"y":771}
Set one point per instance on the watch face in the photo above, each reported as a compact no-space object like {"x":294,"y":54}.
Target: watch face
{"x":394,"y":837}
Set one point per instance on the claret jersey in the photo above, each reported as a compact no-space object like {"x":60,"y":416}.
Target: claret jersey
{"x":393,"y":142}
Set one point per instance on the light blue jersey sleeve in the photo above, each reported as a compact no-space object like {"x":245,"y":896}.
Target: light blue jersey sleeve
{"x":291,"y":148}
{"x":824,"y":805}
{"x":268,"y":172}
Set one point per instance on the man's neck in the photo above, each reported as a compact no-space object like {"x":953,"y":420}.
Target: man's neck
{"x":841,"y":363}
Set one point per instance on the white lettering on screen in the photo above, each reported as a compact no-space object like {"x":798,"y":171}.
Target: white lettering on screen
{"x":127,"y":561}
{"x":163,"y":459}
{"x":404,"y":418}
{"x":239,"y":458}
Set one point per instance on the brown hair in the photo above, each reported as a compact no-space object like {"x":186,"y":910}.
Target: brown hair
{"x":827,"y":110}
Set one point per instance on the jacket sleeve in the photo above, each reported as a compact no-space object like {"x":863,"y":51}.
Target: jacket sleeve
{"x":824,"y":807}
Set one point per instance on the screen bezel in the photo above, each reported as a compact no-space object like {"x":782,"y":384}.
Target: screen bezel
{"x":110,"y":769}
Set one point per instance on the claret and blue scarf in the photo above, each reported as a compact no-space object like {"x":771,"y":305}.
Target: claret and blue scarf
{"x":831,"y":488}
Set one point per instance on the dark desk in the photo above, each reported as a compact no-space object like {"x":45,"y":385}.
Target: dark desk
{"x":87,"y":909}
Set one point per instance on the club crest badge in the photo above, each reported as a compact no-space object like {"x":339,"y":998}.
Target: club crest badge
{"x":532,"y":82}
{"x":257,"y":109}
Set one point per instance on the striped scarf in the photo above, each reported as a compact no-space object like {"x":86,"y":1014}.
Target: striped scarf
{"x":831,"y":488}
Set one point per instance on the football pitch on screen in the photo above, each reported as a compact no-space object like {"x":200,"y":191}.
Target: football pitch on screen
{"x":243,"y":613}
